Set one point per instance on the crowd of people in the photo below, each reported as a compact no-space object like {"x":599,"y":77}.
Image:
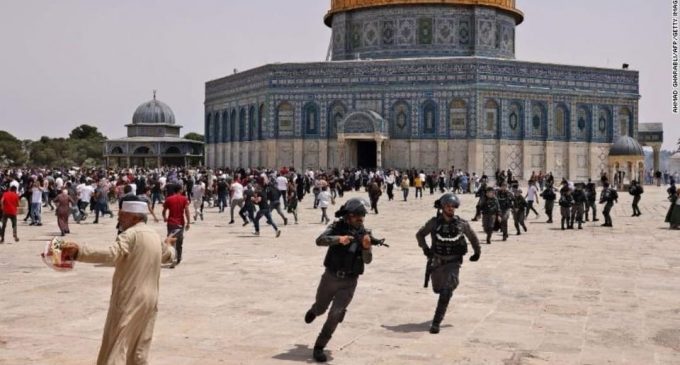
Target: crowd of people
{"x":256,"y":193}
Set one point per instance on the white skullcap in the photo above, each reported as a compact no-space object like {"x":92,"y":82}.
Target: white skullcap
{"x":135,"y":207}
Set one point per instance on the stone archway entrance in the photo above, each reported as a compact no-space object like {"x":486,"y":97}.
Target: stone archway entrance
{"x":360,"y":138}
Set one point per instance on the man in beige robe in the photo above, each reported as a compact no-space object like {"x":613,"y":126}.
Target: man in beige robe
{"x":137,"y":256}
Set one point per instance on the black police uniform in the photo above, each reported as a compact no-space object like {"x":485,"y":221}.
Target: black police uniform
{"x":449,"y":245}
{"x":608,"y":197}
{"x":505,"y":201}
{"x":344,"y":264}
{"x":566,"y":202}
{"x":636,"y":191}
{"x":579,"y":207}
{"x":591,"y":197}
{"x":549,"y":196}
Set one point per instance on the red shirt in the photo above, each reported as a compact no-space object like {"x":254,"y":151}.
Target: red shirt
{"x":176,"y":204}
{"x":10,"y":203}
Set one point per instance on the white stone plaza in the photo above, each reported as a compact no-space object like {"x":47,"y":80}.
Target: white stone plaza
{"x":595,"y":296}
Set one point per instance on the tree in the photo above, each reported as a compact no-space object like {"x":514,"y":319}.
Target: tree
{"x":12,"y":152}
{"x":85,"y":131}
{"x":194,"y":137}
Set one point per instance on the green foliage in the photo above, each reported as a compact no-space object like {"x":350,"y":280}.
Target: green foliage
{"x":85,"y":131}
{"x":194,"y":137}
{"x":84,"y":147}
{"x":12,"y":152}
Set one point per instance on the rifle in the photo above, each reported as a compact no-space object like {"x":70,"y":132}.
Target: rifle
{"x":428,"y":272}
{"x":374,"y":241}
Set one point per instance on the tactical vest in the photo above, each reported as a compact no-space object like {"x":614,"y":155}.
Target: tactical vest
{"x":348,"y":258}
{"x":448,"y":238}
{"x":504,"y":200}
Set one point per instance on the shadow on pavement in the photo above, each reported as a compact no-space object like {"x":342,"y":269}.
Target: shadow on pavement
{"x":300,"y":353}
{"x":412,"y":327}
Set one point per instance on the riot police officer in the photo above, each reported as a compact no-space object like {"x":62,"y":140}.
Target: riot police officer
{"x":448,"y":234}
{"x":636,"y":191}
{"x":549,"y":196}
{"x":607,"y":197}
{"x":591,"y":196}
{"x":566,"y":202}
{"x":349,"y":249}
{"x":579,"y":207}
{"x":505,"y":201}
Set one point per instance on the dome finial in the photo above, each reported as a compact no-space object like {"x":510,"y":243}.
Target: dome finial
{"x":154,"y":94}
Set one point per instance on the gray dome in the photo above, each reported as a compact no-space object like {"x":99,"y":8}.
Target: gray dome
{"x":153,"y":112}
{"x":626,"y":146}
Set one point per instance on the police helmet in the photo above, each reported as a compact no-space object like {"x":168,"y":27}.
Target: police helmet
{"x":356,"y":206}
{"x":446,"y":199}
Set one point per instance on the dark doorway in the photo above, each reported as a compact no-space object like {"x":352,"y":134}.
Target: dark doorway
{"x":366,"y":154}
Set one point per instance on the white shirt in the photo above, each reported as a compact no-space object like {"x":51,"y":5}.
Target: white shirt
{"x":422,"y":178}
{"x":134,"y":188}
{"x":324,"y":199}
{"x":389,"y":179}
{"x":236,"y":191}
{"x":531,"y":193}
{"x":59,"y":183}
{"x":36,"y":195}
{"x":198,"y":190}
{"x":85,"y":193}
{"x":281,"y":183}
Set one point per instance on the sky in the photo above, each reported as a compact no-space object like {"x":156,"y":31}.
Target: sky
{"x":69,"y":62}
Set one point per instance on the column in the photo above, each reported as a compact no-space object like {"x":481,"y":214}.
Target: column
{"x":657,"y":157}
{"x":378,"y":153}
{"x":342,"y":153}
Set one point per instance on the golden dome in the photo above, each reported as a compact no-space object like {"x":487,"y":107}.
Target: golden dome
{"x":338,"y":6}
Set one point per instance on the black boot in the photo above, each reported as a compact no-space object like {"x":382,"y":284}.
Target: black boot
{"x":309,"y":317}
{"x":442,"y":305}
{"x":318,"y":354}
{"x":488,"y":238}
{"x":563,"y":224}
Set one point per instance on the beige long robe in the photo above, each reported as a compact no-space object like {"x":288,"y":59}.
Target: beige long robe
{"x":137,"y":256}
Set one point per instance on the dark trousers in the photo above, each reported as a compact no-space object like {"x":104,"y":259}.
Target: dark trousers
{"x":518,"y":216}
{"x":591,"y":205}
{"x":222,"y":201}
{"x":155,"y":197}
{"x":390,"y":191}
{"x":247,"y":211}
{"x":180,"y":240}
{"x":338,"y":291}
{"x":277,"y":207}
{"x":636,"y":209}
{"x":607,"y":209}
{"x":268,"y":215}
{"x":5,"y":218}
{"x":505,"y":215}
{"x":530,"y":207}
{"x":419,"y":191}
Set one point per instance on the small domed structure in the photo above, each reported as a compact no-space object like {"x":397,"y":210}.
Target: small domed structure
{"x":626,"y":161}
{"x":153,"y":140}
{"x":153,"y":112}
{"x":626,"y":146}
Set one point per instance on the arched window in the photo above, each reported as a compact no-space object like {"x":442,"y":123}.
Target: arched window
{"x":490,"y":115}
{"x":285,"y":118}
{"x":603,"y":121}
{"x":242,"y":124}
{"x":538,"y":119}
{"x":117,"y":151}
{"x":208,"y":128}
{"x":310,"y":117}
{"x":260,"y":121}
{"x":336,"y":113}
{"x":561,"y":121}
{"x":401,"y":114}
{"x":429,"y":117}
{"x":232,"y":125}
{"x":515,"y":118}
{"x":251,"y":123}
{"x":218,"y":127}
{"x":582,"y":122}
{"x":225,"y":126}
{"x":173,"y":151}
{"x":142,"y":151}
{"x":624,"y":121}
{"x":458,"y":115}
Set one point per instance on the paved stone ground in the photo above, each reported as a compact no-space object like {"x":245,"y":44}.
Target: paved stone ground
{"x":596,"y":296}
